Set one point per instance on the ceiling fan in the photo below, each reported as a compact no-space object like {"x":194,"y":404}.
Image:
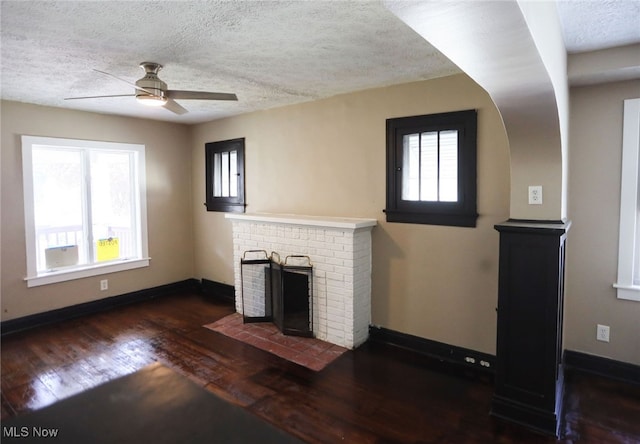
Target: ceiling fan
{"x":152,"y":91}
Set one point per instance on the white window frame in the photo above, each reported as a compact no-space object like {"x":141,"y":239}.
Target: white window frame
{"x":628,"y":253}
{"x":36,"y":278}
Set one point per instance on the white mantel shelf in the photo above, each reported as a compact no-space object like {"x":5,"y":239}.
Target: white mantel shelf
{"x":296,"y":219}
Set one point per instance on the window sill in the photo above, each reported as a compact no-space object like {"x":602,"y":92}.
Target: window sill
{"x":447,"y":219}
{"x":53,"y":277}
{"x":628,"y":292}
{"x":225,"y":207}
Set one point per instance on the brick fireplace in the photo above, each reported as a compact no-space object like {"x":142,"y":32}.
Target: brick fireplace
{"x":340,"y":251}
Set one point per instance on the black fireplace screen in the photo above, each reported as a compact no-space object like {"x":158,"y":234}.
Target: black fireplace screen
{"x":256,"y":297}
{"x":278,"y":292}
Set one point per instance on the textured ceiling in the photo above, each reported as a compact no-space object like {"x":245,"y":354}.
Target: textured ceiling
{"x":270,"y":53}
{"x":590,"y":25}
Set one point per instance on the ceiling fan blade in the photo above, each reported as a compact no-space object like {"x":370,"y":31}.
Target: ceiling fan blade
{"x":99,"y":97}
{"x":200,"y":95}
{"x":174,"y":107}
{"x":126,"y":81}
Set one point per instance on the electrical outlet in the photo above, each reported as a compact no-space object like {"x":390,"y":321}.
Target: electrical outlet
{"x":535,"y":195}
{"x":602,"y":334}
{"x":104,"y":285}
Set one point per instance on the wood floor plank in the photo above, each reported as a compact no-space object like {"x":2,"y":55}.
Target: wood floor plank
{"x":374,"y":394}
{"x":28,"y":397}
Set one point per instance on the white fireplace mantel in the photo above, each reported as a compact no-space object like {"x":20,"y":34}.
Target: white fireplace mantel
{"x":339,"y":249}
{"x":296,"y":219}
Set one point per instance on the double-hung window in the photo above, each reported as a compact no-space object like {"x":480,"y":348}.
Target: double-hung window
{"x":85,"y":208}
{"x":628,"y":283}
{"x":431,"y":169}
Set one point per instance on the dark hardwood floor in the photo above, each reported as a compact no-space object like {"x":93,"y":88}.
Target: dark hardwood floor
{"x":376,"y":393}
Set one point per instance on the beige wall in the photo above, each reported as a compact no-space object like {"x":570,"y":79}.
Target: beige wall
{"x":594,"y":206}
{"x":517,"y":55}
{"x":168,"y":203}
{"x":328,"y":158}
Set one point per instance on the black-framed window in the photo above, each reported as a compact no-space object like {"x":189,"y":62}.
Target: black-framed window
{"x":225,"y":176}
{"x":431,"y":169}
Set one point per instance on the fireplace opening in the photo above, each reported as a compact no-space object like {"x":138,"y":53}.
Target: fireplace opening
{"x":278,"y":292}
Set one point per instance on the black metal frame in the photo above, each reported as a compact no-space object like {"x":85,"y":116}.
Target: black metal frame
{"x":282,"y":288}
{"x":268,"y":303}
{"x":293,"y":325}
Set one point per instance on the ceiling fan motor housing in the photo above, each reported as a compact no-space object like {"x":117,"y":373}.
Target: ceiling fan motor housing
{"x":150,"y":81}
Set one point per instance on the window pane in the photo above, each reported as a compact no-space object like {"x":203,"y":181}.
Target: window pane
{"x":429,"y":178}
{"x":113,"y":205}
{"x":58,"y":207}
{"x":410,"y":167}
{"x":449,"y":166}
{"x":233,"y":171}
{"x":636,"y":265}
{"x":217,"y":175}
{"x":225,"y":174}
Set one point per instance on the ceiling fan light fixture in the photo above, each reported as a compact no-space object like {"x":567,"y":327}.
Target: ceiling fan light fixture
{"x":150,"y":100}
{"x":151,"y":91}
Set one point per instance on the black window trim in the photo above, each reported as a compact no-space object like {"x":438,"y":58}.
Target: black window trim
{"x":462,"y":213}
{"x":224,"y":204}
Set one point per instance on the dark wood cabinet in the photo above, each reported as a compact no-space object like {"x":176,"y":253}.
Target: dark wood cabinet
{"x":529,"y":376}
